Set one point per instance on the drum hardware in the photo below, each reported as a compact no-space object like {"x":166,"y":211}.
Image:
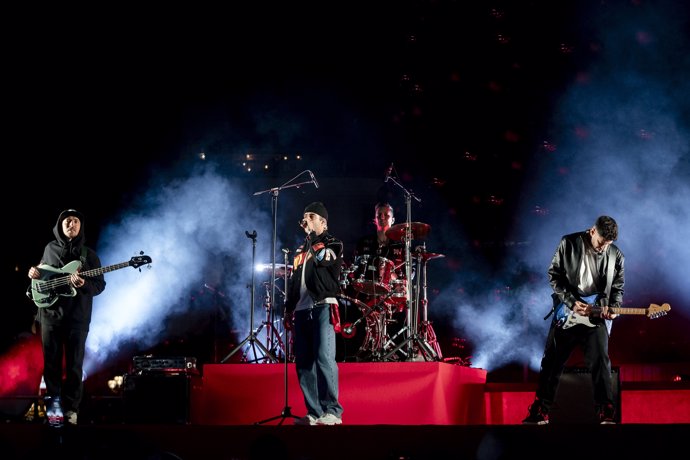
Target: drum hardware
{"x":280,"y":269}
{"x":274,"y":340}
{"x":251,"y":339}
{"x":375,"y":315}
{"x":348,"y":330}
{"x":344,"y":280}
{"x":427,"y":331}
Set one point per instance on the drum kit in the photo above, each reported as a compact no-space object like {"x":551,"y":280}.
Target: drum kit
{"x":378,"y":288}
{"x":378,"y":315}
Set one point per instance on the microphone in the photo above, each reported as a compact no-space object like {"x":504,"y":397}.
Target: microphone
{"x":389,"y":171}
{"x":313,"y":179}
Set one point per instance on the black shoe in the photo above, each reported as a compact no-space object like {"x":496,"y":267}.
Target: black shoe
{"x":537,"y":415}
{"x":607,"y":414}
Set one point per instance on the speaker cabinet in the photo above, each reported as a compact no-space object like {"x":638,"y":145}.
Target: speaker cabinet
{"x":157,"y":397}
{"x":575,"y":397}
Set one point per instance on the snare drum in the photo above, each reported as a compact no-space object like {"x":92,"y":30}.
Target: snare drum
{"x":373,"y":277}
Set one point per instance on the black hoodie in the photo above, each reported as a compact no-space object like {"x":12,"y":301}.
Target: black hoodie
{"x":59,"y":252}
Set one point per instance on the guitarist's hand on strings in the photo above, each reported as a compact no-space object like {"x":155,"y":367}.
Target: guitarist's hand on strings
{"x":606,"y":314}
{"x":581,"y":308}
{"x":34,"y":273}
{"x":585,"y":309}
{"x":76,"y":280}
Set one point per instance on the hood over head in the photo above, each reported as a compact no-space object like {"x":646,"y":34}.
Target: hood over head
{"x":57,"y":230}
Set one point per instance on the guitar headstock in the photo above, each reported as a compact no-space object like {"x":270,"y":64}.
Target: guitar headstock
{"x":138,"y":261}
{"x":655,"y":311}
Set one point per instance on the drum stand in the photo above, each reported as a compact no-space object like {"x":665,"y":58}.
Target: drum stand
{"x":427,"y":333}
{"x":274,"y":343}
{"x":251,"y":339}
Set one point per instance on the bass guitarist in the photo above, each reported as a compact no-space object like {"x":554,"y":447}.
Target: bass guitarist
{"x":64,"y":325}
{"x":585,"y":265}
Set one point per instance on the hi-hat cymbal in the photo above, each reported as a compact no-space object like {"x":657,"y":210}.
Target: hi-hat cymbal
{"x":418,"y":231}
{"x":429,"y":256}
{"x":280,"y":268}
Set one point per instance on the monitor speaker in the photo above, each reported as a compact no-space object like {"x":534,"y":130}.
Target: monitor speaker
{"x":575,"y":397}
{"x":157,"y":397}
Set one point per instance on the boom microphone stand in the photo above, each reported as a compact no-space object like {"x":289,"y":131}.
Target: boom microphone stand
{"x":286,"y":412}
{"x":251,"y":338}
{"x":413,"y":338}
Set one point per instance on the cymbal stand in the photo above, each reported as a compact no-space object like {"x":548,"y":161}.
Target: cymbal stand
{"x":273,"y":339}
{"x":251,"y":339}
{"x":413,"y":341}
{"x":428,"y":335}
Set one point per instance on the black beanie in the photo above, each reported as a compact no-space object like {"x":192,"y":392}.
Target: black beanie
{"x":317,"y":208}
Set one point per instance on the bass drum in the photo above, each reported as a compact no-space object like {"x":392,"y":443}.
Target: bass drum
{"x":354,"y":324}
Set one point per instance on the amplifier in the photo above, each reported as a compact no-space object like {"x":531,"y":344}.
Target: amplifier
{"x":574,"y":401}
{"x":158,"y":397}
{"x":146,"y":363}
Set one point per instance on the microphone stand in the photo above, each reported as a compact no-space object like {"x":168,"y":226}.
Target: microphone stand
{"x":286,"y":412}
{"x":413,"y":336}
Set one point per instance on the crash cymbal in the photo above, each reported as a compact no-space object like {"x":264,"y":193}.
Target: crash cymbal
{"x":429,"y":256}
{"x":280,"y":269}
{"x":419,"y":231}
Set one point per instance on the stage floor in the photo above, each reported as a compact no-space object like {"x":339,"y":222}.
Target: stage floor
{"x":346,"y":442}
{"x":393,"y":411}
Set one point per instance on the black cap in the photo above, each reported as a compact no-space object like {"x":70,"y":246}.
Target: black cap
{"x":71,"y":212}
{"x":317,"y":208}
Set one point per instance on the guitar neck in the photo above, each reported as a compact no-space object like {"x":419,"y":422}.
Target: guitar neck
{"x":628,"y":311}
{"x":101,"y":270}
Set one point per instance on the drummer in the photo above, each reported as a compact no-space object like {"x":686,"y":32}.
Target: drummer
{"x":379,"y":245}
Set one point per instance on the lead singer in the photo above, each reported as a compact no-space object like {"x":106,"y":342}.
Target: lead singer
{"x":311,"y":311}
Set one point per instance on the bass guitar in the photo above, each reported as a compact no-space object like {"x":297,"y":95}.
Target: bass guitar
{"x":54,"y":282}
{"x":566,"y":318}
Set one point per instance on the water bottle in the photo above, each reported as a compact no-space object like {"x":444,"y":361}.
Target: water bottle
{"x":54,"y":412}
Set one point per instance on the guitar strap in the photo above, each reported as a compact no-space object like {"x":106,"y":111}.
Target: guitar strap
{"x":83,"y":256}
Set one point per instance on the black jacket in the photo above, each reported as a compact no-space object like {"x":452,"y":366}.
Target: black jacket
{"x":59,"y":252}
{"x":565,"y":265}
{"x":321,"y":274}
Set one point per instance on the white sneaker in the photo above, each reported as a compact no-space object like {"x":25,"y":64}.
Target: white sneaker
{"x":329,"y":419}
{"x":71,"y":417}
{"x":306,"y":420}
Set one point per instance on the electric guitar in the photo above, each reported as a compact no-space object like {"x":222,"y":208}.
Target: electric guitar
{"x":566,"y":318}
{"x":44,"y":291}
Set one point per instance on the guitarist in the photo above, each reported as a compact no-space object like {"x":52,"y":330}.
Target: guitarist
{"x":585,"y":264}
{"x":65,"y":324}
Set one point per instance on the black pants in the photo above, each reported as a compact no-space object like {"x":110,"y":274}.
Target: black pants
{"x":68,"y":344}
{"x":560,"y":344}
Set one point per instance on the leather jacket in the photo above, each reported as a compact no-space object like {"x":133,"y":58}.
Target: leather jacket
{"x":565,"y":265}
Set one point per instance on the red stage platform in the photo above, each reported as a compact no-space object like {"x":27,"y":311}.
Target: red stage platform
{"x":410,"y":393}
{"x":407,"y":393}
